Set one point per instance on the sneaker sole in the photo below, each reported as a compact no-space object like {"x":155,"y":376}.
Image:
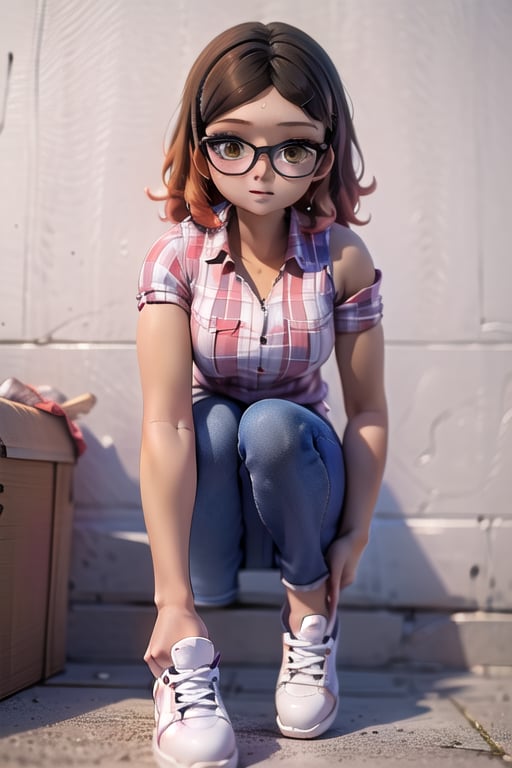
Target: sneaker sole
{"x":310,"y":733}
{"x":166,"y":761}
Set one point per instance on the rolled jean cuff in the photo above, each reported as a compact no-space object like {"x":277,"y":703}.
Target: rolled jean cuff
{"x":220,"y":601}
{"x":305,"y":587}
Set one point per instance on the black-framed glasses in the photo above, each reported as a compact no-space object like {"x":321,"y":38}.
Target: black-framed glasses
{"x":293,"y":159}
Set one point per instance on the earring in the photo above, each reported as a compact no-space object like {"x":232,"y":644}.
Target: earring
{"x":309,"y":208}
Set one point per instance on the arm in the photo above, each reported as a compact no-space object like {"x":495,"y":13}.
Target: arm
{"x":361,"y":363}
{"x":360,"y":359}
{"x":168,"y":472}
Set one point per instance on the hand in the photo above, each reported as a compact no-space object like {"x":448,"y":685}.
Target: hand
{"x":172,"y":624}
{"x":343,"y":558}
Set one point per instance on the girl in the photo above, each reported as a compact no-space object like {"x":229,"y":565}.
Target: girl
{"x":258,"y":279}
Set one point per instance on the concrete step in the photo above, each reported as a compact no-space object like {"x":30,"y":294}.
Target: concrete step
{"x":428,"y":564}
{"x":251,"y":634}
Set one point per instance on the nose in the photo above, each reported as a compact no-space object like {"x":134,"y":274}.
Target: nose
{"x":262,"y":166}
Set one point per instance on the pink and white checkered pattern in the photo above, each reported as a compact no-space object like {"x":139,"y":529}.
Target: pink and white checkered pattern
{"x":245,"y":348}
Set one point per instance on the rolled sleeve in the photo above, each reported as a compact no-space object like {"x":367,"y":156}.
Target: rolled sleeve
{"x":162,"y":278}
{"x":361,"y":311}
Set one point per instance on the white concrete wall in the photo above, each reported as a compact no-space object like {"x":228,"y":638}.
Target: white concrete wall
{"x":83,"y":112}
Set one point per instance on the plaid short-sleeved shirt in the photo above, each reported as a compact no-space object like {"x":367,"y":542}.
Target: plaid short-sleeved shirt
{"x":243,"y":347}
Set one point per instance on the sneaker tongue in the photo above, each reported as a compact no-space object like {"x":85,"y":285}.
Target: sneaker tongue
{"x":313,"y":629}
{"x":191,"y":653}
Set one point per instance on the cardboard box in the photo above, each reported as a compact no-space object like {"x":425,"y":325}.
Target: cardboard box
{"x":36,"y":516}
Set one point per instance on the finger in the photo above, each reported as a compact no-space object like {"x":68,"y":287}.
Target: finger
{"x":347,"y":579}
{"x":156,"y":671}
{"x":333,"y":592}
{"x":156,"y":663}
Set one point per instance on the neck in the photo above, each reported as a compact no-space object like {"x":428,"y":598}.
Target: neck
{"x":264,"y":238}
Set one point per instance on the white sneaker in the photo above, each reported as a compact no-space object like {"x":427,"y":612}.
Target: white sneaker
{"x":193,"y":729}
{"x":307,"y":686}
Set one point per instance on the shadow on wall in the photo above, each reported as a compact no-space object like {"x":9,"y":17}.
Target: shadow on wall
{"x":101,"y":481}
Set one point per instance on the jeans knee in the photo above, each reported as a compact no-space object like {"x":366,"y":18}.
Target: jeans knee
{"x":216,"y":425}
{"x":273,"y":429}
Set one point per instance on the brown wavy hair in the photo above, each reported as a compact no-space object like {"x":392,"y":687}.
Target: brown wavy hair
{"x":237,"y":66}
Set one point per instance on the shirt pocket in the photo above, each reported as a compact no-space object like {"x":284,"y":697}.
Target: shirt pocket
{"x":215,"y":344}
{"x":309,"y":342}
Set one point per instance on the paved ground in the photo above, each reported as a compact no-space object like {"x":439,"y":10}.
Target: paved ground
{"x":102,"y":716}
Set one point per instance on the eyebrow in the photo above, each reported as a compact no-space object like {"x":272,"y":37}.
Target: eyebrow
{"x":289,"y":124}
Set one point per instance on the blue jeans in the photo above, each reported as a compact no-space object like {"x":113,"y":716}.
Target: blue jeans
{"x":270,"y":491}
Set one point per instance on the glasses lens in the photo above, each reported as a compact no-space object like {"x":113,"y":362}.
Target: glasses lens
{"x":294,"y":159}
{"x":229,"y":155}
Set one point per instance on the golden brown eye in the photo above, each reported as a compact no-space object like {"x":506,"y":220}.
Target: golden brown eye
{"x":229,"y":150}
{"x":296,"y":153}
{"x":232,"y":149}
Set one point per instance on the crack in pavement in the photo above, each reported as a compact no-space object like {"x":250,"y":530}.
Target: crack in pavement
{"x":496,"y":749}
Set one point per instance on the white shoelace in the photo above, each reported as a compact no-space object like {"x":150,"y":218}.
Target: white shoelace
{"x":305,"y":658}
{"x":193,"y":687}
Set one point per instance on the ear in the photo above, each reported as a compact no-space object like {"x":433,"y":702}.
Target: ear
{"x":200,"y":163}
{"x":325,"y":166}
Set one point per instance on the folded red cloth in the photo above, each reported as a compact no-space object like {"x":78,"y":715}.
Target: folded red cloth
{"x":15,"y":390}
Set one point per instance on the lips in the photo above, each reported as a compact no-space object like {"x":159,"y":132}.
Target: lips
{"x":259,"y":192}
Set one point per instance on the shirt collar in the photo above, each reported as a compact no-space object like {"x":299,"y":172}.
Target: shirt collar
{"x":310,"y":250}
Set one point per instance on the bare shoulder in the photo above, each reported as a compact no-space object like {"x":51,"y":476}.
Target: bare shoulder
{"x":353,"y":267}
